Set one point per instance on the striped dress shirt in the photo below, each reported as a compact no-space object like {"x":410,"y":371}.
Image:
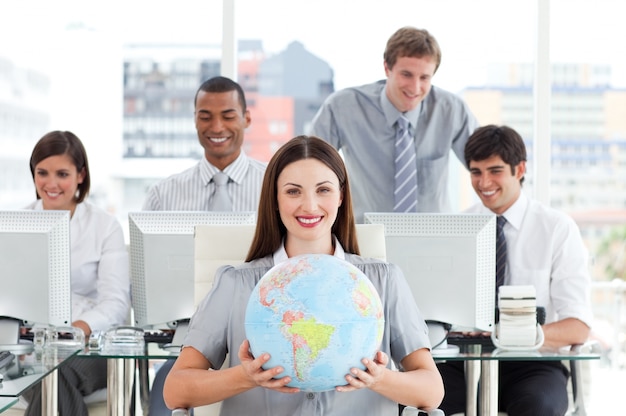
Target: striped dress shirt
{"x":192,"y":189}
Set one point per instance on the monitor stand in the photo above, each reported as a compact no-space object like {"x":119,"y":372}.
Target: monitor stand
{"x":438,"y":333}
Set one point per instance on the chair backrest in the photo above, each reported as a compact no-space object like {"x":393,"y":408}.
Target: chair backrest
{"x":216,"y":246}
{"x":220,"y":245}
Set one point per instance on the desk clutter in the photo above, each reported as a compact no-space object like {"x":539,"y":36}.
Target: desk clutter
{"x":118,"y":340}
{"x":518,"y":326}
{"x":159,"y":337}
{"x":119,"y":337}
{"x":41,"y":337}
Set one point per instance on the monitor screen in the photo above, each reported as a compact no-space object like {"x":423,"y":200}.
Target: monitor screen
{"x":162,"y":262}
{"x":448,"y":261}
{"x":35,"y":266}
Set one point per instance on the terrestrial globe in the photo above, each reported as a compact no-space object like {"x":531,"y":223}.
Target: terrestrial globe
{"x":317,"y":316}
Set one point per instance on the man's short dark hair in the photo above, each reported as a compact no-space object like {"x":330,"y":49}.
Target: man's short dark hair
{"x":492,"y":140}
{"x":222,"y":84}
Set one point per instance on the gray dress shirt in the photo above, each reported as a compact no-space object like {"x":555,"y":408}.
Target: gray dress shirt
{"x":217,"y":328}
{"x":359,"y":121}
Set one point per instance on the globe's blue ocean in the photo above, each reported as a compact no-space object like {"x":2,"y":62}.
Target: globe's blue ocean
{"x":317,"y":316}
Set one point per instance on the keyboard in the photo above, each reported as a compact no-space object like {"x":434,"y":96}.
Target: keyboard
{"x":464,"y":340}
{"x":29,"y":336}
{"x":159,"y":337}
{"x":6,"y":358}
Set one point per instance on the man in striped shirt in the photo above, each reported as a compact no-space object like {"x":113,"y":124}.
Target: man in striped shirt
{"x":221,"y":116}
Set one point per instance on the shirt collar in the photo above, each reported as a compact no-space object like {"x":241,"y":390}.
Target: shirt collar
{"x":236,"y":171}
{"x":392,"y":114}
{"x":280,"y":255}
{"x":515,"y":214}
{"x":38,"y":206}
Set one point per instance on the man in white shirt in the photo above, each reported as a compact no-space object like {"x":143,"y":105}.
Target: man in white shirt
{"x":221,"y":116}
{"x":544,"y":249}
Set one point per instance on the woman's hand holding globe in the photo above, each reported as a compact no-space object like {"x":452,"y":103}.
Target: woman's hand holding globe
{"x":260,"y":377}
{"x":359,"y":379}
{"x":373,"y":373}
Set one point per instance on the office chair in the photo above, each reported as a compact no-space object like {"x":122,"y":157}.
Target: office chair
{"x":220,"y":245}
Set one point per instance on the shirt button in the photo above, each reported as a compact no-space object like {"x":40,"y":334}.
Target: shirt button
{"x":310,"y":396}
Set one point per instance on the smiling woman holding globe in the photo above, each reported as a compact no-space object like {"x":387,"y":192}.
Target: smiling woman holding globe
{"x":305,"y":208}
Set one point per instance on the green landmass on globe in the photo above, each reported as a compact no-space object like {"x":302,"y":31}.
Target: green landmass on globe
{"x":317,"y":316}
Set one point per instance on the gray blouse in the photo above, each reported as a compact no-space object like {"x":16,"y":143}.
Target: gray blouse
{"x":217,"y":328}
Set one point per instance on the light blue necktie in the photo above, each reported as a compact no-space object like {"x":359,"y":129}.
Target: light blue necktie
{"x":220,"y":200}
{"x":405,"y":193}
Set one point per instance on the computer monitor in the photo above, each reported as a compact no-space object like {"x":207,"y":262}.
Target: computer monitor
{"x":34,"y":268}
{"x":448,"y":261}
{"x":162,"y":262}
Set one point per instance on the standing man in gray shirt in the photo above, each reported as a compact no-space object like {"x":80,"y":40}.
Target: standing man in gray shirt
{"x":221,"y":116}
{"x":363,"y":121}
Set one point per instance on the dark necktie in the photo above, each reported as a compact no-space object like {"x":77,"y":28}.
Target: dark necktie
{"x":220,"y":200}
{"x":405,"y":192}
{"x":500,"y":252}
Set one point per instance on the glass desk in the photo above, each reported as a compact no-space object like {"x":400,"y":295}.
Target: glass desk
{"x":120,"y":374}
{"x":481,"y":369}
{"x":6,"y":403}
{"x":27,"y":369}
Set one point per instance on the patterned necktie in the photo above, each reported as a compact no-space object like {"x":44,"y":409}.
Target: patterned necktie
{"x":500,"y":252}
{"x":220,"y":201}
{"x":405,"y":193}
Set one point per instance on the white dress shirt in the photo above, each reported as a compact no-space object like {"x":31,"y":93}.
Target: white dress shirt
{"x":545,"y":249}
{"x":100,"y":280}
